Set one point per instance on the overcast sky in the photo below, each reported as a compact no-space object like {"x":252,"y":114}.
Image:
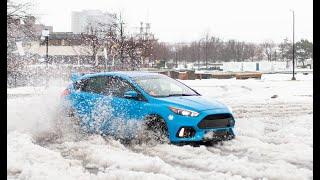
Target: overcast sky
{"x":187,"y":20}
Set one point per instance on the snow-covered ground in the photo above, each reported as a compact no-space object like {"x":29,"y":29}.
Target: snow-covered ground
{"x":274,"y":138}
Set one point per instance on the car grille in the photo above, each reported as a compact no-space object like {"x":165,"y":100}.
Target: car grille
{"x":216,"y":121}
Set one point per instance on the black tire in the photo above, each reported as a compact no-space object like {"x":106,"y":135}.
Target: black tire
{"x":156,"y":130}
{"x":74,"y":117}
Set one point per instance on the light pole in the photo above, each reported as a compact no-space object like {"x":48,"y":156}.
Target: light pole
{"x":175,"y":56}
{"x":198,"y":50}
{"x":293,"y":78}
{"x":206,"y":52}
{"x":45,"y":34}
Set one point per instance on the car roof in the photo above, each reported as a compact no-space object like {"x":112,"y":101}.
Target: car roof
{"x":130,"y":74}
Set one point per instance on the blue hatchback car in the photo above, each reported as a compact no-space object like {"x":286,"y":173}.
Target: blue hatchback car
{"x":161,"y":103}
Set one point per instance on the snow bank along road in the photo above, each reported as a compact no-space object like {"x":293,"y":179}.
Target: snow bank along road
{"x":274,"y":138}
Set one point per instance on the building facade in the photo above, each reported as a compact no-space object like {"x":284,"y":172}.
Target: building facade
{"x":81,"y":19}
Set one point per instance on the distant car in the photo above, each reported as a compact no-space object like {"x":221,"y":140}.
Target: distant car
{"x":162,"y":104}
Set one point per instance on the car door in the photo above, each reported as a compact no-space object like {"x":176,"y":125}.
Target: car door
{"x":127,"y":113}
{"x":126,"y":108}
{"x":90,"y":102}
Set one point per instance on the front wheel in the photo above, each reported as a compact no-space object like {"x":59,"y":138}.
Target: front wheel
{"x":156,"y":130}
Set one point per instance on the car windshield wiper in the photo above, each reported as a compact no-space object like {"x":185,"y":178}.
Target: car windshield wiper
{"x":170,"y":95}
{"x":182,"y":95}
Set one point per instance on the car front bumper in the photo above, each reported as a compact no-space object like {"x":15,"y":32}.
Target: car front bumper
{"x":177,"y":122}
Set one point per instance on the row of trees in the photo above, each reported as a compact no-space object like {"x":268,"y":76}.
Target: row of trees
{"x":212,"y":49}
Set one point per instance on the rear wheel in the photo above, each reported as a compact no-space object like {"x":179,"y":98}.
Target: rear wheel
{"x":68,"y":124}
{"x":75,"y":119}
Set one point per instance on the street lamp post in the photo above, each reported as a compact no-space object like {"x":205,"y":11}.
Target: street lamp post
{"x":45,"y":33}
{"x":175,"y":56}
{"x":47,"y":44}
{"x":199,"y":49}
{"x":293,"y":78}
{"x":206,"y":52}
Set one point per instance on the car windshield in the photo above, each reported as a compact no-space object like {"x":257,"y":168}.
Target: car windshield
{"x":162,"y":86}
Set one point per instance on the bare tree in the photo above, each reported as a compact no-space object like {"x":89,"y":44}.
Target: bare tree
{"x":251,"y":51}
{"x":94,"y":39}
{"x":126,"y":52}
{"x":161,"y":51}
{"x":268,"y":47}
{"x":20,"y":30}
{"x":148,"y":49}
{"x":134,"y":51}
{"x":18,"y":26}
{"x":240,"y":51}
{"x":205,"y":47}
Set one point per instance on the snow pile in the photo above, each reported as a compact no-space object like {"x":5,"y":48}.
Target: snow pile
{"x":274,"y":138}
{"x":33,"y":114}
{"x":257,"y":90}
{"x":31,"y":161}
{"x":264,"y":66}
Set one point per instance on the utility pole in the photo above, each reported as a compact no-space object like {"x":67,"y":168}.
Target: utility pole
{"x":174,"y":49}
{"x":47,"y":44}
{"x":47,"y":59}
{"x":198,"y":50}
{"x":206,"y":51}
{"x":121,"y":43}
{"x":293,"y":78}
{"x":176,"y":58}
{"x":185,"y":58}
{"x":45,"y":34}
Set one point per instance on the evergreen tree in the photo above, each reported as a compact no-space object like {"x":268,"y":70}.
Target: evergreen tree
{"x":304,"y":50}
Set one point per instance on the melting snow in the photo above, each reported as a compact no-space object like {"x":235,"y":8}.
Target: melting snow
{"x":274,"y":138}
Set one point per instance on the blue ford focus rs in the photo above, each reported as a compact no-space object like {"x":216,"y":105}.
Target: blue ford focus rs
{"x":162,"y":104}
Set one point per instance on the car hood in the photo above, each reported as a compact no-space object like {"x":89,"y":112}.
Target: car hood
{"x":198,"y":103}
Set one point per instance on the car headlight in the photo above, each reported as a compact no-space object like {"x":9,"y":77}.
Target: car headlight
{"x":184,"y":112}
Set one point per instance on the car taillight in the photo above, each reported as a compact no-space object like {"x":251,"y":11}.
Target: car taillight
{"x":65,"y":92}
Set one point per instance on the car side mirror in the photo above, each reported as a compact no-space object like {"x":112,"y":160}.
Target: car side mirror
{"x":131,"y":94}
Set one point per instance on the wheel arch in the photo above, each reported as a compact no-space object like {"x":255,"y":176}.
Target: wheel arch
{"x":158,"y":117}
{"x":155,"y":115}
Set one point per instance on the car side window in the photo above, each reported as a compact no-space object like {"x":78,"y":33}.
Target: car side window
{"x":107,"y":85}
{"x":117,"y":87}
{"x":94,"y":84}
